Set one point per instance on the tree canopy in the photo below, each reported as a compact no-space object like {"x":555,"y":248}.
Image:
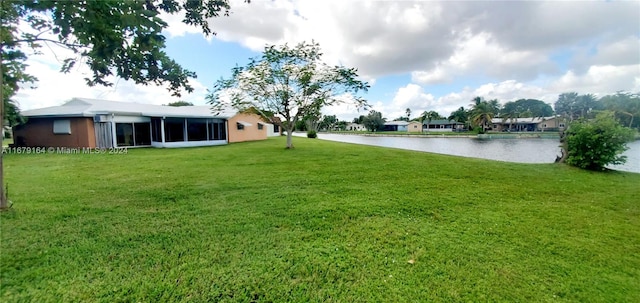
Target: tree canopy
{"x":114,"y":38}
{"x":526,"y":108}
{"x":573,"y":106}
{"x":289,"y":81}
{"x":373,"y":121}
{"x":595,"y":143}
{"x":483,"y":111}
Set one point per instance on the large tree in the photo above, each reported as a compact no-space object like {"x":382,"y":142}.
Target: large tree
{"x":523,"y":107}
{"x":113,"y":38}
{"x":460,"y":115}
{"x":373,"y":121}
{"x":626,"y":107}
{"x":289,"y":81}
{"x":573,"y":106}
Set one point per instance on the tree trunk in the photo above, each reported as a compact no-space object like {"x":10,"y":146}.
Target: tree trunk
{"x":564,"y":148}
{"x":289,"y":135}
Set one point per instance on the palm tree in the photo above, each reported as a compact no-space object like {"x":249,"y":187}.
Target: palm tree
{"x":482,"y":113}
{"x":511,"y":116}
{"x":422,"y":118}
{"x":428,"y":116}
{"x":460,"y":115}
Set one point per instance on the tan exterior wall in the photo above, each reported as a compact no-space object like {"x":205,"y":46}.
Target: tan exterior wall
{"x":414,"y":127}
{"x":38,"y":132}
{"x":551,"y":123}
{"x":249,"y":133}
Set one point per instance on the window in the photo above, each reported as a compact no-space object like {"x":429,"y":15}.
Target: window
{"x":133,"y":134}
{"x":197,"y":129}
{"x":561,"y":124}
{"x":142,"y":133}
{"x":544,"y":125}
{"x":62,"y":127}
{"x":217,"y":130}
{"x":156,"y":129}
{"x":260,"y":126}
{"x":276,"y":128}
{"x":124,"y":134}
{"x":240,"y":126}
{"x":174,"y":129}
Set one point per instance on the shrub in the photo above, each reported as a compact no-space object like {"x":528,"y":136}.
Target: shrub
{"x":312,"y":134}
{"x":594,"y":144}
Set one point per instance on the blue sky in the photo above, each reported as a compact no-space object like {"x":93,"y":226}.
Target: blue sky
{"x":422,"y":55}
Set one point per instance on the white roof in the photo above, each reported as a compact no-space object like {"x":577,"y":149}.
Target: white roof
{"x":521,"y":120}
{"x":397,"y":123}
{"x":82,"y":107}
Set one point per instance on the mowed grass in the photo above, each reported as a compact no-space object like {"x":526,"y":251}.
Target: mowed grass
{"x":325,"y":222}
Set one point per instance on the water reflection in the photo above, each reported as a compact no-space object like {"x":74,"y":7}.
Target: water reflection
{"x":509,"y":150}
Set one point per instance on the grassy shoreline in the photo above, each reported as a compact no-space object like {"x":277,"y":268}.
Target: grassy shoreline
{"x":326,"y":221}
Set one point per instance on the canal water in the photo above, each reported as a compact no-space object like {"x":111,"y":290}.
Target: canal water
{"x":533,"y":150}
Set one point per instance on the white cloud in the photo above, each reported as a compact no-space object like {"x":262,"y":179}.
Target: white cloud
{"x":54,"y":87}
{"x":600,"y":79}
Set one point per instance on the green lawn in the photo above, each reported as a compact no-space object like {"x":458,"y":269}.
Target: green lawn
{"x":325,"y":222}
{"x":6,"y":142}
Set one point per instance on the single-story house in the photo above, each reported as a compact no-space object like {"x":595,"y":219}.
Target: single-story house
{"x":104,"y":124}
{"x":442,"y":125}
{"x":355,"y":127}
{"x":414,"y":127}
{"x":396,"y":126}
{"x":528,"y":124}
{"x":274,"y":128}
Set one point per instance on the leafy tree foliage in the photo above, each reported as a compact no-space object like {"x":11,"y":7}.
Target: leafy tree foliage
{"x":328,"y":122}
{"x":524,"y":108}
{"x":12,"y":114}
{"x":374,"y":121}
{"x":459,"y":115}
{"x":179,"y":103}
{"x":427,"y":116}
{"x":290,"y":81}
{"x":359,"y":120}
{"x":122,"y":38}
{"x":626,"y":107}
{"x":594,"y":144}
{"x":342,"y":125}
{"x":573,"y":106}
{"x":483,"y":111}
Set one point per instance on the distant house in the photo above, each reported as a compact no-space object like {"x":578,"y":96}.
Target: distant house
{"x":355,"y":127}
{"x":443,"y":125}
{"x":528,"y":124}
{"x":414,"y":127}
{"x":99,"y":123}
{"x":396,"y":126}
{"x":274,"y":127}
